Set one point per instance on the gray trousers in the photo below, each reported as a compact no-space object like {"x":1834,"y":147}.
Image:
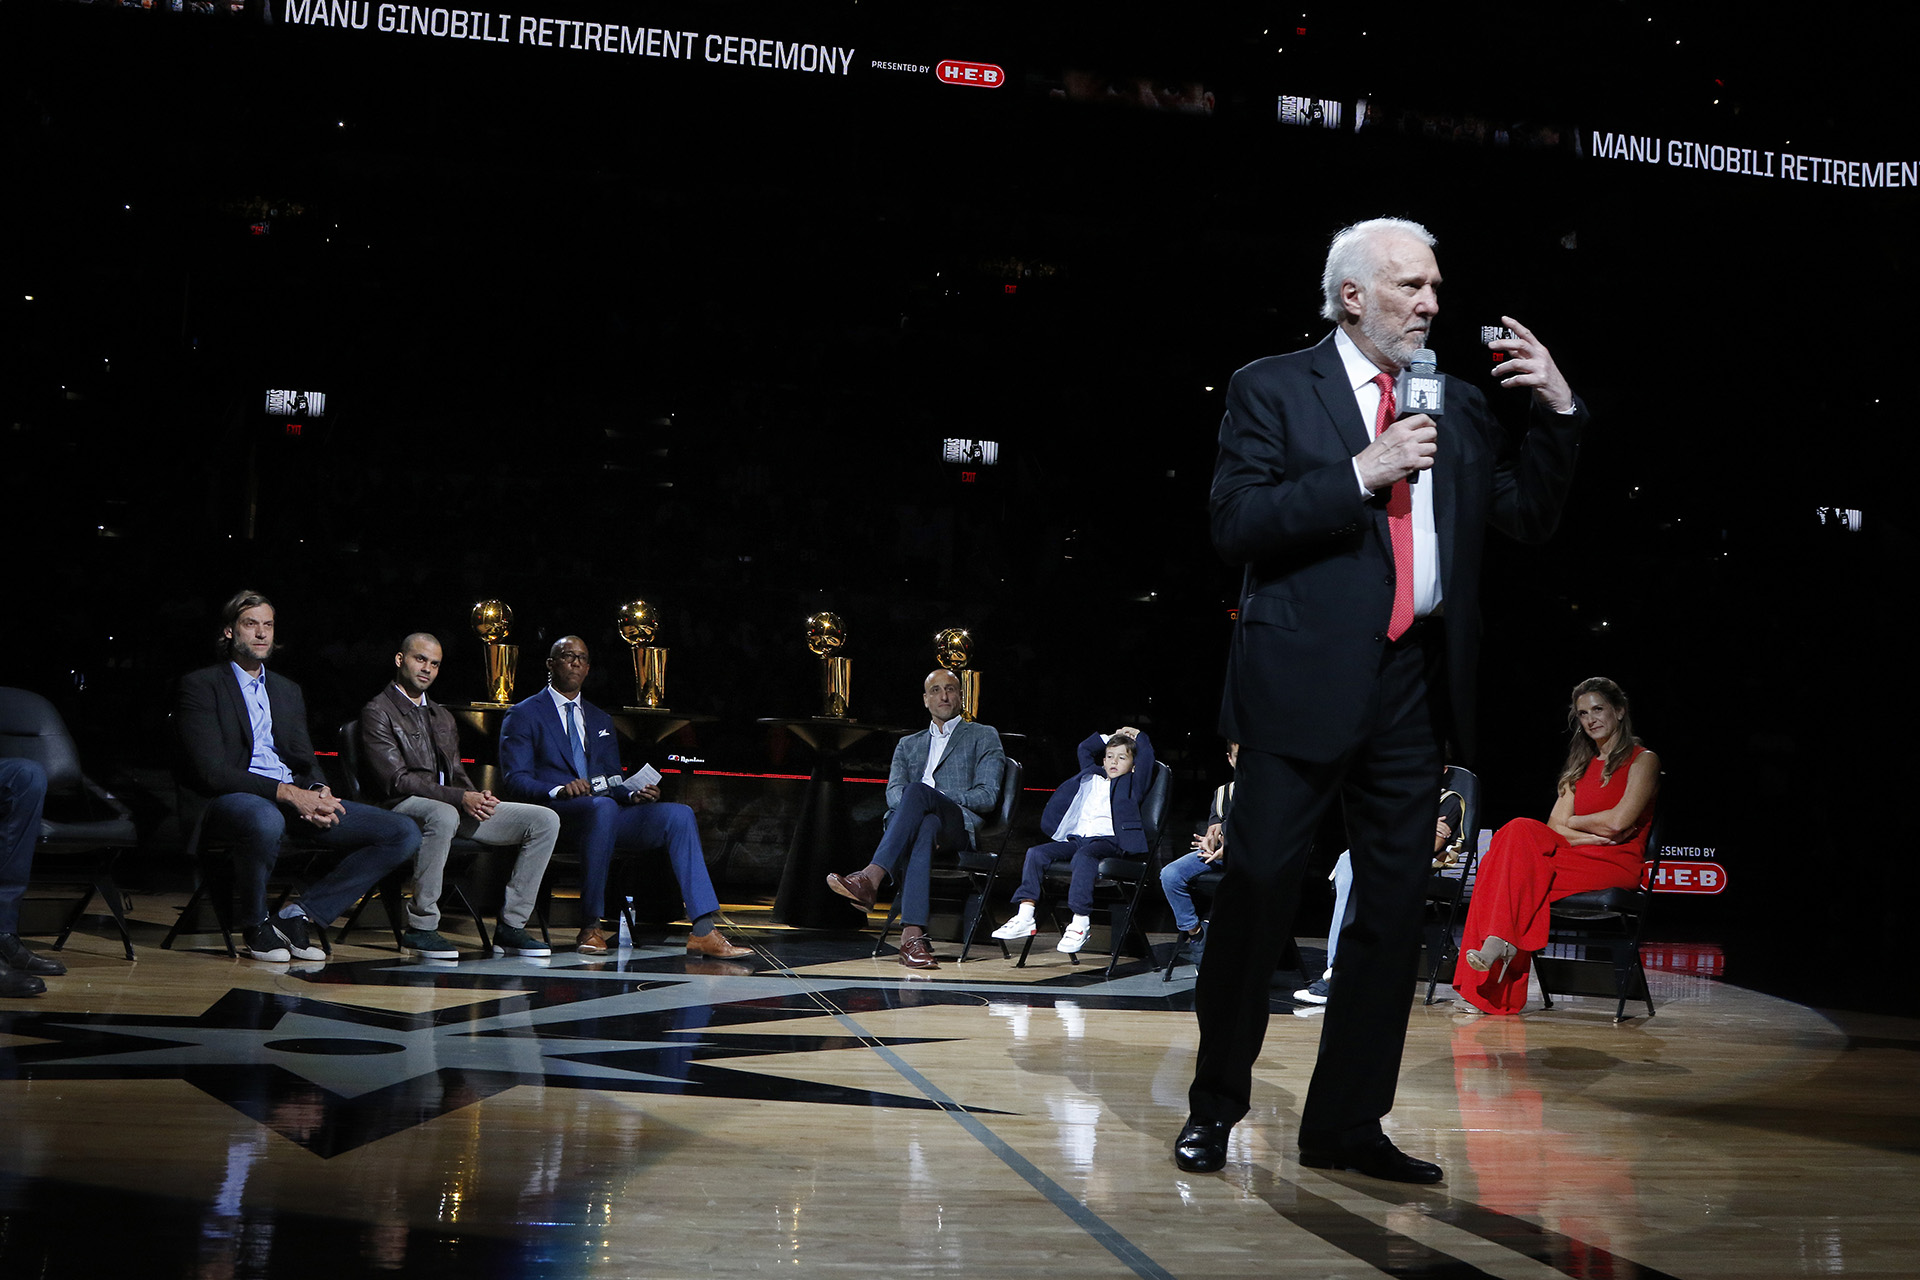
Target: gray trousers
{"x":531,"y":828}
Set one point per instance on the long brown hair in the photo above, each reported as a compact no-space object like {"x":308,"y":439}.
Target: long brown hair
{"x":1582,"y":750}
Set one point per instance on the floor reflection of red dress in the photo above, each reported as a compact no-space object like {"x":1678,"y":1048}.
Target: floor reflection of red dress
{"x":1529,"y":865}
{"x":1524,"y":1169}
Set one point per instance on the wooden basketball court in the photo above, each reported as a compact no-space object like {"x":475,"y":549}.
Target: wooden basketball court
{"x":821,"y":1112}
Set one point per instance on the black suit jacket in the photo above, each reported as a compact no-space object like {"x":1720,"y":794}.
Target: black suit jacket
{"x":1318,"y":588}
{"x":216,"y":738}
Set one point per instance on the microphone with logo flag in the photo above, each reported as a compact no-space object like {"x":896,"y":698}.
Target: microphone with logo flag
{"x":1420,"y":389}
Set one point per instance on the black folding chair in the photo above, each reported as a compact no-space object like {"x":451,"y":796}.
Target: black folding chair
{"x":84,"y":829}
{"x":461,"y":854}
{"x":1126,"y":875}
{"x":1451,"y":882}
{"x":976,"y":866}
{"x":1619,"y":919}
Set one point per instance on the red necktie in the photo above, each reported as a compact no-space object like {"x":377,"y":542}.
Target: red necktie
{"x":1399,"y":524}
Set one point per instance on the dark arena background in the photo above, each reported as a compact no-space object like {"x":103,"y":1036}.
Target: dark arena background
{"x":386,"y":309}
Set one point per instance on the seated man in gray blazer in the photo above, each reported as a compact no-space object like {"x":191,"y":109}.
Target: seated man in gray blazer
{"x":944,"y":782}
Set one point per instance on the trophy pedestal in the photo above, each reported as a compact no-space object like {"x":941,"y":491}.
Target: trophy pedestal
{"x":821,"y":839}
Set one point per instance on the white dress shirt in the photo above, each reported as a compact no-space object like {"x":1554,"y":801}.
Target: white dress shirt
{"x":937,"y":747}
{"x":1426,"y":543}
{"x":1091,"y":813}
{"x":560,"y":703}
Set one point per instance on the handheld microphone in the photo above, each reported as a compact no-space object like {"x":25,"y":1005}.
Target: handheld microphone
{"x":1420,"y":389}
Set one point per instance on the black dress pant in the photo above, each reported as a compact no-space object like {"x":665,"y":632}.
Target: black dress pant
{"x":1386,"y":783}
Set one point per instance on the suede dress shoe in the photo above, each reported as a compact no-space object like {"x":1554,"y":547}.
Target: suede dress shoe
{"x":15,"y":955}
{"x":716,"y":946}
{"x":1376,"y":1157}
{"x":1202,"y":1145}
{"x":857,"y":886}
{"x":917,"y":953}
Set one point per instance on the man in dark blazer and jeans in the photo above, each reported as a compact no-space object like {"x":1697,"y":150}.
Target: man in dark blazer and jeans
{"x":248,"y":765}
{"x":1352,"y":663}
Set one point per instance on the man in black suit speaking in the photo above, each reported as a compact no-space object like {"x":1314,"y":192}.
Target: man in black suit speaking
{"x":1352,"y":663}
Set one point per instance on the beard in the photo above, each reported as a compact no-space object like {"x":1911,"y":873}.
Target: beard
{"x":1388,"y":341}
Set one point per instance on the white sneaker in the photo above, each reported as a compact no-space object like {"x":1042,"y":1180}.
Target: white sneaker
{"x":1075,"y":937}
{"x":1021,"y":926}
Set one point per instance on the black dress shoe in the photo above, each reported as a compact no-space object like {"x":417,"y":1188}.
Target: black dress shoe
{"x":1202,"y":1145}
{"x":1376,"y":1157}
{"x":15,"y":983}
{"x":14,"y":955}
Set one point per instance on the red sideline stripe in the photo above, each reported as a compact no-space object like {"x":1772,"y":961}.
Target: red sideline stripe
{"x":792,"y":777}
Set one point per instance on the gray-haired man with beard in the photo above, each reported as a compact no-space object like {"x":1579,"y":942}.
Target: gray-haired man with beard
{"x":1352,"y":664}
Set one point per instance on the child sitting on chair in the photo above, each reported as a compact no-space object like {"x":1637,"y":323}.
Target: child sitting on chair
{"x":1092,"y":815}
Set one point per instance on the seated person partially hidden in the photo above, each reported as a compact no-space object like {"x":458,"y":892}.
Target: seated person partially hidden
{"x":943,"y":784}
{"x":1208,"y":854}
{"x":553,"y":748}
{"x":23,"y":795}
{"x":1344,"y":908}
{"x":412,"y":766}
{"x":1093,"y":815}
{"x":248,"y":766}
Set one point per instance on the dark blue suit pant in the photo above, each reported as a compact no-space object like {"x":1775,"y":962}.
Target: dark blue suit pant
{"x":373,"y":841}
{"x":1086,"y":852}
{"x":1386,"y":784}
{"x":925,"y":823}
{"x":23,"y":794}
{"x":595,"y":827}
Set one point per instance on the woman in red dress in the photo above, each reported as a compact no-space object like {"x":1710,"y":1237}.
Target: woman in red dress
{"x":1593,"y":839}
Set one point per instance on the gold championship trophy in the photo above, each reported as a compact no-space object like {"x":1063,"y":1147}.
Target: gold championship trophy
{"x":824,"y":635}
{"x":491,"y":621}
{"x":638,"y":624}
{"x":951,"y":649}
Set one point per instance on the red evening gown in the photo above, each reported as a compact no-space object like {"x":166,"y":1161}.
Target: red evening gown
{"x":1529,"y":865}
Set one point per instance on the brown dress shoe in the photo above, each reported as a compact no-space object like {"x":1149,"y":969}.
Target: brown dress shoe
{"x":857,"y":885}
{"x":591,"y":942}
{"x":713,"y":944}
{"x":917,"y":953}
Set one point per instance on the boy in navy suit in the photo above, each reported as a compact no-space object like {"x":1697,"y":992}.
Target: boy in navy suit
{"x":1092,"y":815}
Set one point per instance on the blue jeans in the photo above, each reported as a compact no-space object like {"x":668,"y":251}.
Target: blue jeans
{"x":374,"y":843}
{"x":23,"y":793}
{"x":925,"y":822}
{"x":1174,"y":879}
{"x":1343,"y":909}
{"x":596,"y":826}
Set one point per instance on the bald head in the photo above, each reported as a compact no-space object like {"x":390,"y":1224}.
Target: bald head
{"x":941,"y":693}
{"x":567,"y":664}
{"x":417,"y":664}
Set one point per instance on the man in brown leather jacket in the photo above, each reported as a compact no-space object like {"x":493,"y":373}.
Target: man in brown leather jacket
{"x":412,"y":766}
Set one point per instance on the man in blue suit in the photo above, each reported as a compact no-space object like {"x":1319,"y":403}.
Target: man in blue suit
{"x":553,"y":748}
{"x":943,"y":783}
